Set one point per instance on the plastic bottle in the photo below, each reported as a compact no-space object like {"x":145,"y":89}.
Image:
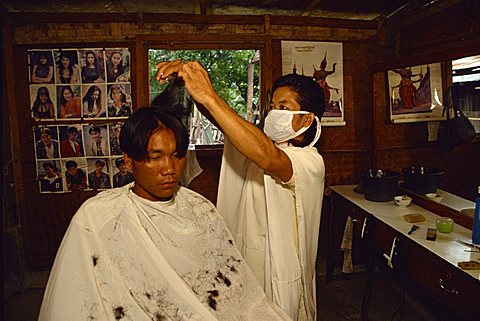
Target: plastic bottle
{"x":476,"y":220}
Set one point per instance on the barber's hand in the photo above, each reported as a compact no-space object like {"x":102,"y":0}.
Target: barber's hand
{"x":197,"y":82}
{"x":166,"y":68}
{"x":196,"y":78}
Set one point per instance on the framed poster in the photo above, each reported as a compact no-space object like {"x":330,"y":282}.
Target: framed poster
{"x":415,"y":93}
{"x":323,"y":62}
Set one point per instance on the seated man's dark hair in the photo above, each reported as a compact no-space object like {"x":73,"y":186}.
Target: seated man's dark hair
{"x":139,"y":127}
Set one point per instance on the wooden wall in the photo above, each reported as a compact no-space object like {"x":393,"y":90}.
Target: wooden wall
{"x":346,"y":150}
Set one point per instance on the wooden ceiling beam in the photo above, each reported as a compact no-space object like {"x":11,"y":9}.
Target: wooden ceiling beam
{"x":310,"y":8}
{"x":420,"y":10}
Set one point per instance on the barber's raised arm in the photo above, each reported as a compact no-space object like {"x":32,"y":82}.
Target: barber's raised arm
{"x":246,"y":137}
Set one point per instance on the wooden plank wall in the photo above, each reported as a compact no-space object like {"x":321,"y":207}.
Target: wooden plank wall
{"x":346,"y":149}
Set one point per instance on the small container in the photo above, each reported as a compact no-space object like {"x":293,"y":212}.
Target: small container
{"x":444,"y":224}
{"x":402,"y":201}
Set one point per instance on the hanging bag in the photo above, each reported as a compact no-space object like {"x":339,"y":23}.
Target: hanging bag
{"x":456,"y":129}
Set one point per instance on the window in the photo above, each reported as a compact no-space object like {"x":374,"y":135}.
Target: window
{"x":234,"y":75}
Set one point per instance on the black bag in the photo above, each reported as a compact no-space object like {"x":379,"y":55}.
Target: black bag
{"x":456,"y":130}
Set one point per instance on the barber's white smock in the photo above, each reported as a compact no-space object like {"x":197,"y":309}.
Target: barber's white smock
{"x":128,"y":258}
{"x":268,"y":217}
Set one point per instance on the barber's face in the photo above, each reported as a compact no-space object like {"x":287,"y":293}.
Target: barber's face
{"x":285,"y":98}
{"x":157,"y":178}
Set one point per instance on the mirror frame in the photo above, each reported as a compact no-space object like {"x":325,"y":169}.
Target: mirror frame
{"x":439,"y":209}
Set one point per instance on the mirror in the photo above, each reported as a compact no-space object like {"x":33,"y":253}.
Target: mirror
{"x":399,"y":145}
{"x":456,"y":203}
{"x":445,"y":204}
{"x":466,"y":82}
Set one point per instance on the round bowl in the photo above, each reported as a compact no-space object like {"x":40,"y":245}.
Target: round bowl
{"x":444,"y":224}
{"x":434,"y":197}
{"x":403,"y":200}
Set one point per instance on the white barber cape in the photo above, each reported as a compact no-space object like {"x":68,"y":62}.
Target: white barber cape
{"x":127,"y":258}
{"x":276,"y":224}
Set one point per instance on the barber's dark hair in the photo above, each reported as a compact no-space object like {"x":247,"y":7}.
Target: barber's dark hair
{"x":311,"y":98}
{"x":145,"y":121}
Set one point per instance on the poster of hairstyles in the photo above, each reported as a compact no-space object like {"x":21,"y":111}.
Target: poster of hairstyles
{"x":80,"y":156}
{"x":79,"y":83}
{"x":79,"y":99}
{"x":323,"y":62}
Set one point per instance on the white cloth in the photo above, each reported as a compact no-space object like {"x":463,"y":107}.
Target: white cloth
{"x":124,"y":257}
{"x":260,"y":212}
{"x":192,"y":168}
{"x":346,"y":246}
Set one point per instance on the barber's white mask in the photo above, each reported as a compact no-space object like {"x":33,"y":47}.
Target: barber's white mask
{"x":278,"y":126}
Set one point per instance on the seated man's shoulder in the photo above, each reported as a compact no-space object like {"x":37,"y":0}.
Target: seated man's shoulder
{"x":193,"y":197}
{"x":106,"y":204}
{"x":197,"y":201}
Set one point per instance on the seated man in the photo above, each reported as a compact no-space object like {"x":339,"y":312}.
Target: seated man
{"x":152,"y":250}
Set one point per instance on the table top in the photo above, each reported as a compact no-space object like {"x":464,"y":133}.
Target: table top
{"x":445,"y":245}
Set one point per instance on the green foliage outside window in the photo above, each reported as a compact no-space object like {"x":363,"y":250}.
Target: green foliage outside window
{"x":227,"y":68}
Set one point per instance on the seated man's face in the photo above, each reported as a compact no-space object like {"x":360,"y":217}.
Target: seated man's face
{"x":157,"y":177}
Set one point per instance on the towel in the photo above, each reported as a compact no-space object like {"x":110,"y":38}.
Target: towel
{"x":346,"y":246}
{"x":192,"y":168}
